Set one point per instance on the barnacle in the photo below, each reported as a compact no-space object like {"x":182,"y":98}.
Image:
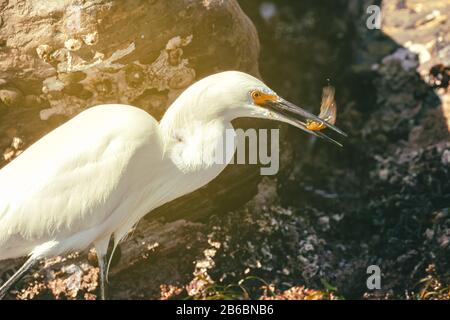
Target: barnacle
{"x":103,"y":86}
{"x":134,"y":75}
{"x":91,"y":38}
{"x":72,"y":44}
{"x":44,"y":52}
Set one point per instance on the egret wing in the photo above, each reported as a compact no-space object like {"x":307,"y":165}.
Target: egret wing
{"x":75,"y":176}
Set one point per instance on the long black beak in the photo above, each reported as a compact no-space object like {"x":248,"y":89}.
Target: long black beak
{"x":292,"y":114}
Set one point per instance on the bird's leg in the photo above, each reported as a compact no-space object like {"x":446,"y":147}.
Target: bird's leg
{"x":102,"y":260}
{"x":16,"y":276}
{"x":101,"y":247}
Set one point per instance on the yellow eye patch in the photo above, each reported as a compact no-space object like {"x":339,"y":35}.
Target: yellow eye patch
{"x":260,"y":98}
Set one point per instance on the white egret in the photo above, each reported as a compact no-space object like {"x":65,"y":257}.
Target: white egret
{"x":96,"y":175}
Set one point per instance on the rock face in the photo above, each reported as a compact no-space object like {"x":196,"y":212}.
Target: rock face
{"x":59,"y":57}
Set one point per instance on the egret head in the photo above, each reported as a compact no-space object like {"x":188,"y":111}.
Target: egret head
{"x":232,"y":94}
{"x":250,"y":97}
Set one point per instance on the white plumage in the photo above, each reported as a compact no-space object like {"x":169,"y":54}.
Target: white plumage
{"x":96,"y":175}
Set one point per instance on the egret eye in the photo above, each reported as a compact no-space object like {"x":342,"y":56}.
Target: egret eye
{"x":255,"y":94}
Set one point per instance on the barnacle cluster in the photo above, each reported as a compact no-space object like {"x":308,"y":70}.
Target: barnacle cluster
{"x":102,"y":79}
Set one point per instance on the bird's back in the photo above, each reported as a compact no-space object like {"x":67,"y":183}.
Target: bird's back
{"x":74,"y":177}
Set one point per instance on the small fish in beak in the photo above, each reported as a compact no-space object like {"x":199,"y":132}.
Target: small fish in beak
{"x":327,"y":110}
{"x":285,"y":111}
